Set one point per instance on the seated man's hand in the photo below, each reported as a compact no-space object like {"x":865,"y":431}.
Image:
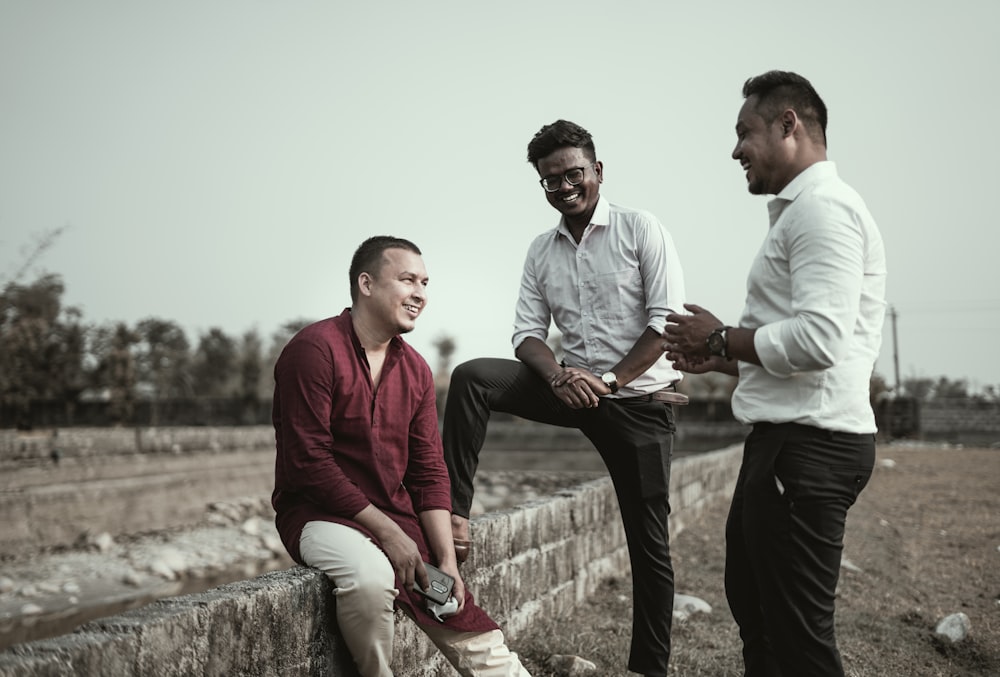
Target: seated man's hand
{"x":577,"y":388}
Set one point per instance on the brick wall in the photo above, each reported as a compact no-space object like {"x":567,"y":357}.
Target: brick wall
{"x":543,"y":557}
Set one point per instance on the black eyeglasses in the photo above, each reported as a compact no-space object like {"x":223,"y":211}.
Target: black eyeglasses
{"x":571,"y":176}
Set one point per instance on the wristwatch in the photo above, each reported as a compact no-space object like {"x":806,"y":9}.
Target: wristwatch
{"x":610,"y":380}
{"x":718,"y":343}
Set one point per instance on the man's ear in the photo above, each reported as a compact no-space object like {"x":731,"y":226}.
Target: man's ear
{"x":365,"y":281}
{"x":789,"y":121}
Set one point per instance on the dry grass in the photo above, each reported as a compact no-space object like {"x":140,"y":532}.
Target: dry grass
{"x":925,"y":535}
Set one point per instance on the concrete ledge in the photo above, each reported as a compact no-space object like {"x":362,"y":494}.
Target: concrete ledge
{"x":541,"y":558}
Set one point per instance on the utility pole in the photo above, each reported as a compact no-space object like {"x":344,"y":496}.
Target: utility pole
{"x":895,"y":348}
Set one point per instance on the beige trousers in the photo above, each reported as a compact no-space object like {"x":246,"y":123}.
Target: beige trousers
{"x":364,"y":585}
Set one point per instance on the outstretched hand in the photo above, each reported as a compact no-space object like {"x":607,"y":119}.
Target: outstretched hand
{"x":686,"y":336}
{"x":698,"y":365}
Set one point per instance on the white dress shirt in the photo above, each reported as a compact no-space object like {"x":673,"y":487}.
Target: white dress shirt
{"x":816,"y":295}
{"x":602,"y":293}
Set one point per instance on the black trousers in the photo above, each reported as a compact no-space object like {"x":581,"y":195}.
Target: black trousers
{"x":635,"y":440}
{"x":784,"y":540}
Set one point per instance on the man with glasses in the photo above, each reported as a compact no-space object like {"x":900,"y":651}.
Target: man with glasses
{"x":607,"y":277}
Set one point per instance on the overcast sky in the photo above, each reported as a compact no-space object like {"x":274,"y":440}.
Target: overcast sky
{"x":217,"y":163}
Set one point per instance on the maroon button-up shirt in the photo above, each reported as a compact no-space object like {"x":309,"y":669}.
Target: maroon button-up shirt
{"x":342,"y":446}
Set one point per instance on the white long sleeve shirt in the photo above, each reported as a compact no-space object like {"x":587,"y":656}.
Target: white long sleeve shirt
{"x":602,"y":293}
{"x":816,"y":295}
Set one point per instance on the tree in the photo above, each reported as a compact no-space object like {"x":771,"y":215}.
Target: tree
{"x":41,"y":346}
{"x":116,"y":370}
{"x":163,"y":360}
{"x":251,"y":368}
{"x":214,"y":365}
{"x":446,"y":348}
{"x":919,"y":389}
{"x":946,"y":388}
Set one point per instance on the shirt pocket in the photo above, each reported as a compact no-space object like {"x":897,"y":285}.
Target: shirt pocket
{"x":615,"y":297}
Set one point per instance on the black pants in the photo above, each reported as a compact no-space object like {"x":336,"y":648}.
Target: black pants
{"x":784,"y":540}
{"x":635,"y":440}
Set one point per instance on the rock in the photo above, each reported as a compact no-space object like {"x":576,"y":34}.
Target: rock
{"x":570,"y":666}
{"x":162,"y":570}
{"x":6,"y":585}
{"x":685,"y":605}
{"x":848,"y":565}
{"x":102,"y":541}
{"x":132,"y":578}
{"x":71,"y":588}
{"x":30,"y":609}
{"x":251,"y":527}
{"x":887,"y":463}
{"x":953,"y":628}
{"x":273,"y":543}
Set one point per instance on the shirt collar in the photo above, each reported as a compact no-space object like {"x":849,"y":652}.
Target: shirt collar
{"x":600,"y":217}
{"x":814,"y":173}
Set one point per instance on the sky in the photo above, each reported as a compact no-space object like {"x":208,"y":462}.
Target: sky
{"x":217,"y":164}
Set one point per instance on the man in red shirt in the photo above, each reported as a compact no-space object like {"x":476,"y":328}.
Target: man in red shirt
{"x":361,"y":488}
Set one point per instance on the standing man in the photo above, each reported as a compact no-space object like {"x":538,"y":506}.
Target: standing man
{"x":804,"y":350}
{"x":361,"y":488}
{"x":607,"y":276}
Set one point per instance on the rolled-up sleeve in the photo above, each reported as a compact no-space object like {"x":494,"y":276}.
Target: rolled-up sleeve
{"x":824,"y":245}
{"x":532,"y":315}
{"x":662,"y":275}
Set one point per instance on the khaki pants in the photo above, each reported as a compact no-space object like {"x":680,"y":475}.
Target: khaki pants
{"x":364,"y":583}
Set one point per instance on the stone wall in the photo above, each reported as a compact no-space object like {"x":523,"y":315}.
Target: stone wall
{"x":543,"y":557}
{"x":961,"y":418}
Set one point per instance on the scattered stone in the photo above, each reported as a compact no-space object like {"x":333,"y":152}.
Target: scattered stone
{"x":30,"y":609}
{"x":161,"y":569}
{"x":273,"y":543}
{"x":954,"y":628}
{"x":103,"y":542}
{"x":28,"y":590}
{"x":251,"y":527}
{"x":848,"y":565}
{"x":132,"y":578}
{"x":570,"y":666}
{"x":6,"y":585}
{"x":71,"y":588}
{"x":686,"y":605}
{"x":167,"y":562}
{"x":887,"y":463}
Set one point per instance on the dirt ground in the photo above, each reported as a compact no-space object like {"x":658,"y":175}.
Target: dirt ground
{"x":924,"y":539}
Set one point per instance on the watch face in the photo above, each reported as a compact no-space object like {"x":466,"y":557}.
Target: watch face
{"x":716,"y":343}
{"x":610,"y":380}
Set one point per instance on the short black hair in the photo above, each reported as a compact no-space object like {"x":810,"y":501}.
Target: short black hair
{"x":368,"y":257}
{"x":779,"y":90}
{"x":560,"y":134}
